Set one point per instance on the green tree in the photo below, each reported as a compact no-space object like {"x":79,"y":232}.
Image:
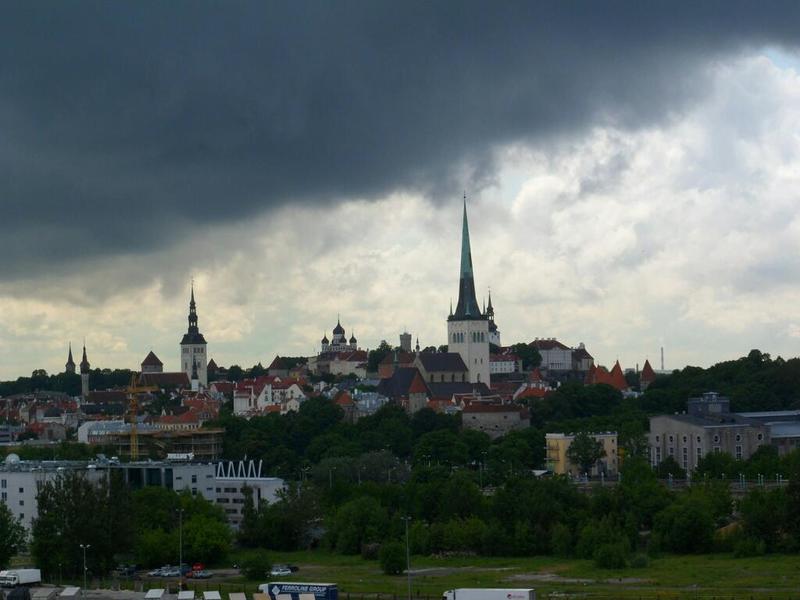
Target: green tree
{"x":669,"y":466}
{"x":718,"y":464}
{"x":764,"y":515}
{"x":359,"y":521}
{"x":256,"y":565}
{"x":12,"y":535}
{"x":461,"y":497}
{"x":155,"y":547}
{"x":632,"y":439}
{"x":529,"y":354}
{"x":206,"y":539}
{"x":393,"y":558}
{"x":375,"y":357}
{"x":74,"y":510}
{"x":641,"y":492}
{"x":286,"y":524}
{"x":686,"y":526}
{"x":585,"y":451}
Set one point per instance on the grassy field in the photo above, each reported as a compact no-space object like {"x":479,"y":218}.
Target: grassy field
{"x":709,"y":576}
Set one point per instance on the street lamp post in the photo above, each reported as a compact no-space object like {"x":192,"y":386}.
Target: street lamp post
{"x":180,"y":549}
{"x":84,"y":547}
{"x":408,"y":557}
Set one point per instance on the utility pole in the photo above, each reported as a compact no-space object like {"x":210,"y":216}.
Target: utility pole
{"x":180,"y":549}
{"x":84,"y":547}
{"x":408,"y":557}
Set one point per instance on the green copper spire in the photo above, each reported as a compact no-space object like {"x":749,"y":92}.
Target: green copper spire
{"x":467,"y":307}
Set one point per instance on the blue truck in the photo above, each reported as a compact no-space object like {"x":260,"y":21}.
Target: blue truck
{"x":278,"y":590}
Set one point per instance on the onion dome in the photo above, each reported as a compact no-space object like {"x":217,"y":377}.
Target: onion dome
{"x":338,"y":330}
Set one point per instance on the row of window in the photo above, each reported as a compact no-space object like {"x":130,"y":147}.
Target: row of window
{"x":230,"y":500}
{"x":699,"y":454}
{"x":442,"y":377}
{"x":475,"y":336}
{"x":4,"y":485}
{"x":759,"y":437}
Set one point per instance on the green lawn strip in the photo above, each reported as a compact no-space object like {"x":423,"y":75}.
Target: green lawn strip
{"x":671,"y":576}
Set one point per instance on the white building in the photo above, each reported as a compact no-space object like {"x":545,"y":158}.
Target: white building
{"x":555,"y":355}
{"x":221,"y":483}
{"x":231,"y":480}
{"x":256,"y":396}
{"x":504,"y":363}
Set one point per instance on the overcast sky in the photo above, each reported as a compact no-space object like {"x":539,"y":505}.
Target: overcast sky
{"x":632,"y":172}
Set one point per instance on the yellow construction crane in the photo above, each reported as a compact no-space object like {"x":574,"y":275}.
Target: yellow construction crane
{"x":133,"y":411}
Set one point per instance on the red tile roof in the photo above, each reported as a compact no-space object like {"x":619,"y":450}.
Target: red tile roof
{"x":187,"y":417}
{"x":403,"y":358}
{"x":615,"y":378}
{"x":503,"y":358}
{"x":223,"y":387}
{"x":647,"y":375}
{"x":418,"y":385}
{"x":151,"y":360}
{"x":344,"y":399}
{"x":548,"y":345}
{"x":533,"y":392}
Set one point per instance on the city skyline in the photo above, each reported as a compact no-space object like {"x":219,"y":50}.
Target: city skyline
{"x":636,"y":194}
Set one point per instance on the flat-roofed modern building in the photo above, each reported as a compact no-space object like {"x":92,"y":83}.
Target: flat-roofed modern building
{"x":221,"y":483}
{"x":707,"y":426}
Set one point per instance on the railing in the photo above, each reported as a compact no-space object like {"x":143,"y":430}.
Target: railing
{"x":98,"y":585}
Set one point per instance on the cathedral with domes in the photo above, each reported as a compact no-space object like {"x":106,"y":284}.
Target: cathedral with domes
{"x":339,"y":341}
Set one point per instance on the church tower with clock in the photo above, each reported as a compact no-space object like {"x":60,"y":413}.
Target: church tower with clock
{"x":193,"y":348}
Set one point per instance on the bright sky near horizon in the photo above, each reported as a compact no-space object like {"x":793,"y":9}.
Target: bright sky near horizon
{"x":628,"y":192}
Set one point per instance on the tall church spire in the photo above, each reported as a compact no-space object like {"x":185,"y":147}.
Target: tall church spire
{"x":467,"y":307}
{"x":84,"y":361}
{"x":192,"y":313}
{"x":70,"y":366}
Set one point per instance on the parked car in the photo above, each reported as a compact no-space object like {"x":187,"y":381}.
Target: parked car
{"x":293,"y":568}
{"x":155,"y":572}
{"x":202,"y":574}
{"x":280,"y":571}
{"x":172,"y":572}
{"x":126,"y":570}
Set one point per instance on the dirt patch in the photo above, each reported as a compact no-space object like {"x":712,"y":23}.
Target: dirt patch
{"x":627,"y":580}
{"x":547,"y":578}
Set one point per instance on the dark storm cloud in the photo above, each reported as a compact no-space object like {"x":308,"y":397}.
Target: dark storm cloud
{"x":124,"y":126}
